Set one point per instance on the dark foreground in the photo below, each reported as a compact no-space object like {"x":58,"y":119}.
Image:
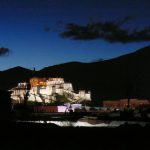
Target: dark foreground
{"x":20,"y":136}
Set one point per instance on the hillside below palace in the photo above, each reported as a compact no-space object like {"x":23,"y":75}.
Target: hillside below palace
{"x":48,"y":90}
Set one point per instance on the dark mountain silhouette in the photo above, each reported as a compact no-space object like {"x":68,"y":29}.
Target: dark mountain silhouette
{"x":9,"y":78}
{"x":127,"y":76}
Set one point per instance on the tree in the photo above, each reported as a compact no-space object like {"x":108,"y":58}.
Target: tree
{"x":5,"y":95}
{"x":62,"y":98}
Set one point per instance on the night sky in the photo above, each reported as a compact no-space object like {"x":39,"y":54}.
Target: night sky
{"x":30,"y":29}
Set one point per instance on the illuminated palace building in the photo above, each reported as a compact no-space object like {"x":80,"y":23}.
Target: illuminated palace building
{"x":47,"y":90}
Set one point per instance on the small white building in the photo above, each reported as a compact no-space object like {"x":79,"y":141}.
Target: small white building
{"x":19,"y":92}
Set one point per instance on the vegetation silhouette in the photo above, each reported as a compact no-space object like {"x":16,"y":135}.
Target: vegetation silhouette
{"x":5,"y":101}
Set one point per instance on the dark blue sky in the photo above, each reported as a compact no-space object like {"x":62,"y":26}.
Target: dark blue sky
{"x":23,"y":22}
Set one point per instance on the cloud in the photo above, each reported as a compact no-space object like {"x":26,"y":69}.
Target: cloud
{"x":4,"y":51}
{"x":109,"y":31}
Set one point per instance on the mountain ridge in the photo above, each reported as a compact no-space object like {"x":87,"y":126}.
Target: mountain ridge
{"x":121,"y":77}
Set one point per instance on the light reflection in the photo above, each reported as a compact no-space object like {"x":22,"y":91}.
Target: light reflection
{"x":111,"y":124}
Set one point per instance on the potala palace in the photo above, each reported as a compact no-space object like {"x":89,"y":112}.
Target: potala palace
{"x":48,"y":90}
